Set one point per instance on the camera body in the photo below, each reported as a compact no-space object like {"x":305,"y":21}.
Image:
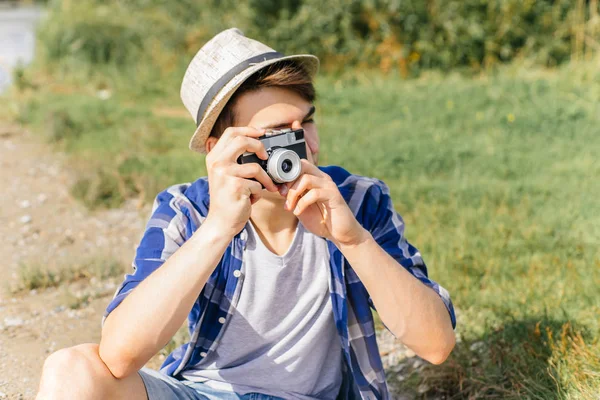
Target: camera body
{"x":285,"y":148}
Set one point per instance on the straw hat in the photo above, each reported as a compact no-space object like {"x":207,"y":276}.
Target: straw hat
{"x":218,"y":69}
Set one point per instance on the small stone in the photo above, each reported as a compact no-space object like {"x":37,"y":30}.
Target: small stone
{"x":41,"y":198}
{"x":409,"y":353}
{"x":33,"y":291}
{"x":25,"y":219}
{"x":52,"y":347}
{"x":52,"y":170}
{"x":13,"y":321}
{"x":2,"y":395}
{"x":24,"y":204}
{"x":398,"y":368}
{"x":423,"y":388}
{"x":477,"y":346}
{"x":103,"y":94}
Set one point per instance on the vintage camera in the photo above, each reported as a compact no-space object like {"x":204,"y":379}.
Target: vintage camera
{"x":285,"y":148}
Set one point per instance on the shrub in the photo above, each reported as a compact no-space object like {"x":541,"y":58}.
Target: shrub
{"x":389,"y":34}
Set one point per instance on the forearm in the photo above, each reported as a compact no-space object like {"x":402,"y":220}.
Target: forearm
{"x":411,"y":310}
{"x":151,"y":314}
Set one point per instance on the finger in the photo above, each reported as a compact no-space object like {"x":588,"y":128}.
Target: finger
{"x":235,"y":131}
{"x":283,"y":189}
{"x":310,"y":198}
{"x":310,"y":168}
{"x":240,"y":188}
{"x":307,"y":168}
{"x":253,"y":171}
{"x":298,"y":188}
{"x":249,"y":188}
{"x":241,"y":144}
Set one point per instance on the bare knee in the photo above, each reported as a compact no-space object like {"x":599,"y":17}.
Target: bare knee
{"x":71,"y":359}
{"x":73,"y":372}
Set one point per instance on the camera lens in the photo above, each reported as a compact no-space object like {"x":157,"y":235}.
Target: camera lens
{"x":286,"y":166}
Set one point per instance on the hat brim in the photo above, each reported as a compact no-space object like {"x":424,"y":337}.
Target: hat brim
{"x":198,"y":140}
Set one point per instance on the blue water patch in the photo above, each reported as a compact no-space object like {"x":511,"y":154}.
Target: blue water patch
{"x":17,"y":39}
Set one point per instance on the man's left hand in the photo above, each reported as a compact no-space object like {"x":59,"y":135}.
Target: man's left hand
{"x":317,"y":202}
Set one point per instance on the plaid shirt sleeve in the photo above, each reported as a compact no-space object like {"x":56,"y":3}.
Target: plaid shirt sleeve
{"x":164,"y":234}
{"x":387,"y":228}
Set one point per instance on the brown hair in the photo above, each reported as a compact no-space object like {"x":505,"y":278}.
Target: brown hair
{"x":285,"y":74}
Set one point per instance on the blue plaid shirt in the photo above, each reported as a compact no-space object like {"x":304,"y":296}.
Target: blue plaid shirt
{"x":179,"y":210}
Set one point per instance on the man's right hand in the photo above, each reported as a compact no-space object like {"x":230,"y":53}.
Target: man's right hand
{"x":232,"y":192}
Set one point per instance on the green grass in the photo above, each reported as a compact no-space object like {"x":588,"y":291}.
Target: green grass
{"x":41,"y":275}
{"x":496,"y":178}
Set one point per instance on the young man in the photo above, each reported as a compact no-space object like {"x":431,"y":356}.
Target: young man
{"x":276,"y":281}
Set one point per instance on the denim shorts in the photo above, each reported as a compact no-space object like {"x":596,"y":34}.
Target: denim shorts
{"x":160,"y":386}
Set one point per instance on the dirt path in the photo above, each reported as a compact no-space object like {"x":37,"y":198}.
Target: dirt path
{"x":44,"y":227}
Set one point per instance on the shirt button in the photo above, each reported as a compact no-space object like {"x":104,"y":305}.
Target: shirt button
{"x":222,"y":320}
{"x":244,"y":235}
{"x":203,"y":354}
{"x":237,"y":273}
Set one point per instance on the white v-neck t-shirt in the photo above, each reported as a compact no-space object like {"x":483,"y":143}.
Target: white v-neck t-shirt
{"x":282,"y":340}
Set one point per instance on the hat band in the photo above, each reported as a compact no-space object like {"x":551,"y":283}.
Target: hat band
{"x":221,"y":82}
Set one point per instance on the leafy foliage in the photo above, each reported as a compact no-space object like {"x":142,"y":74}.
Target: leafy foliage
{"x":408,"y":35}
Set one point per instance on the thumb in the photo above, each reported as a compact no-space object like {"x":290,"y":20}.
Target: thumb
{"x":283,"y":189}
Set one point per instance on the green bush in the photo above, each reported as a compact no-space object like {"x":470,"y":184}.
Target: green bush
{"x":94,"y":35}
{"x":440,"y":34}
{"x":389,"y":34}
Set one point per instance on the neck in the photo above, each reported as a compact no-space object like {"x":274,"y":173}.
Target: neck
{"x":269,"y":217}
